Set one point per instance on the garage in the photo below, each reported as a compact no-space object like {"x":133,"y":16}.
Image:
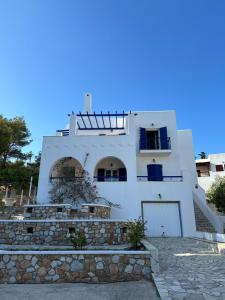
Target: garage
{"x":163,"y":219}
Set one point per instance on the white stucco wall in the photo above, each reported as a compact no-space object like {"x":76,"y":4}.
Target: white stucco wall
{"x":214,"y":159}
{"x":180,"y":161}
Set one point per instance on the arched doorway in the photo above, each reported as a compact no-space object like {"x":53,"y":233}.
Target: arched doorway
{"x":110,"y":169}
{"x":66,"y":168}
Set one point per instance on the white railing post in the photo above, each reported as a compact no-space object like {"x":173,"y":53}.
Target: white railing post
{"x":21,"y":198}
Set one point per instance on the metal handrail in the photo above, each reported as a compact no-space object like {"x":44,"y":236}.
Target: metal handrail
{"x":66,"y":178}
{"x":157,"y":144}
{"x":65,"y":132}
{"x":110,"y":178}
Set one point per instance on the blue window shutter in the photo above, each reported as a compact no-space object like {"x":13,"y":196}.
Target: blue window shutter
{"x":122,"y":174}
{"x":155,"y":172}
{"x":143,"y":140}
{"x":164,"y":138}
{"x":101,"y":175}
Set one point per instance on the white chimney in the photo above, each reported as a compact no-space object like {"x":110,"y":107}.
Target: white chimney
{"x":88,"y":103}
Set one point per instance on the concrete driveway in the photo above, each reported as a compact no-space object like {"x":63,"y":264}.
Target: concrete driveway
{"x":113,"y":291}
{"x":189,"y":270}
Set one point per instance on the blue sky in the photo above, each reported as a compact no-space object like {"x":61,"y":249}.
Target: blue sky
{"x":131,"y":55}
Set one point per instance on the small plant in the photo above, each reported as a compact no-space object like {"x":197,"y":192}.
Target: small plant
{"x":78,"y":239}
{"x":136,"y":232}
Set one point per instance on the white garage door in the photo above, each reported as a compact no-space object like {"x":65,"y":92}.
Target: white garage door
{"x":163,"y":219}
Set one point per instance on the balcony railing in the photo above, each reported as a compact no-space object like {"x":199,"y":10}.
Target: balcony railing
{"x":63,"y":132}
{"x":64,"y":178}
{"x":165,"y":178}
{"x":156,"y":144}
{"x":110,"y":178}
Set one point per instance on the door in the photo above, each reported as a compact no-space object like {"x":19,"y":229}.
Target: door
{"x":152,"y":137}
{"x":163,"y":219}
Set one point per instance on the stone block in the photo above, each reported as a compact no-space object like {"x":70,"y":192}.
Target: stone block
{"x":76,"y":266}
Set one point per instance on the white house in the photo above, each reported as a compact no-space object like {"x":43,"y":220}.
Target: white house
{"x":208,"y":169}
{"x":138,"y":160}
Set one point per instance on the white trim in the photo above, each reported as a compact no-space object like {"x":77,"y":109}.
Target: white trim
{"x":64,"y":221}
{"x":90,"y":204}
{"x":201,"y":161}
{"x":155,"y":150}
{"x":79,"y":252}
{"x":47,"y":205}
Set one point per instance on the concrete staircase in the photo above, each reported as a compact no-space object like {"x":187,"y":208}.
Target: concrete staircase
{"x":206,"y":219}
{"x":202,"y":223}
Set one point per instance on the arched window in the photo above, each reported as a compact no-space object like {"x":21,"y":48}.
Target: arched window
{"x":110,"y":169}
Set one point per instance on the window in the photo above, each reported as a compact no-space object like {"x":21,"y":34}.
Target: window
{"x":30,"y":230}
{"x":91,"y":209}
{"x":219,"y":168}
{"x":123,"y":230}
{"x":59,"y":209}
{"x":114,"y":173}
{"x":152,"y":139}
{"x":108,"y":174}
{"x":111,"y":175}
{"x":29,"y":210}
{"x":71,"y":230}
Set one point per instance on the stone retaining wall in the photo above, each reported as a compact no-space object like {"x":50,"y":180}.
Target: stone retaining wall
{"x":34,"y":267}
{"x":30,"y":212}
{"x":8,"y":212}
{"x":51,"y":232}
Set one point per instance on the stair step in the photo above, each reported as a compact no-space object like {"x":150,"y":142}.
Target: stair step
{"x":202,"y":222}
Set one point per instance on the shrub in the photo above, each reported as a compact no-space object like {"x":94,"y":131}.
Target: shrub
{"x":136,"y":232}
{"x":216,"y":194}
{"x":78,"y":239}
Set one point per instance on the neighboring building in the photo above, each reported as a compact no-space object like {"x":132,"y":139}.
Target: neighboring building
{"x":208,"y":169}
{"x":138,"y":160}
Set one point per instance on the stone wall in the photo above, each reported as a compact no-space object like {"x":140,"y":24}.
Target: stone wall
{"x":58,"y":268}
{"x":33,"y":212}
{"x":51,"y":232}
{"x":96,"y":211}
{"x":9,"y":212}
{"x":46,"y":212}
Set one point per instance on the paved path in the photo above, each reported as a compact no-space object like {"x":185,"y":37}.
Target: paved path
{"x":189,"y":270}
{"x":142,"y":290}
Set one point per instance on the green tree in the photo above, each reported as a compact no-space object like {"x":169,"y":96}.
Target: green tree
{"x":216,"y":193}
{"x":17,"y":175}
{"x":5,"y":135}
{"x":37,"y":161}
{"x":202,"y":155}
{"x":14,"y":135}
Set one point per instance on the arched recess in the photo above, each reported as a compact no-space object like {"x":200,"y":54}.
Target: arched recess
{"x":110,"y":169}
{"x":66,"y":168}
